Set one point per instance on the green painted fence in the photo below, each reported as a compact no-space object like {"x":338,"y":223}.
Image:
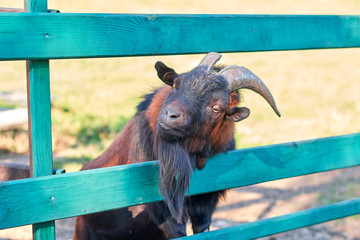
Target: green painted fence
{"x":66,"y":35}
{"x":90,"y":191}
{"x":38,"y":36}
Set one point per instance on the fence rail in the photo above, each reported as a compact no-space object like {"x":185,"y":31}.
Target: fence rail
{"x":266,"y":227}
{"x":72,"y":194}
{"x":67,"y":35}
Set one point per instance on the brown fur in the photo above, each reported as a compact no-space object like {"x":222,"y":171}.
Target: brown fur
{"x":118,"y":152}
{"x":144,"y":139}
{"x":153,"y":112}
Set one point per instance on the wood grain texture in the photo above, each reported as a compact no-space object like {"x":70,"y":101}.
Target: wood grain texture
{"x":2,"y":9}
{"x":44,"y":230}
{"x":60,"y":196}
{"x":41,"y":163}
{"x":40,"y":118}
{"x":38,"y":86}
{"x":35,"y":6}
{"x":283,"y":223}
{"x":67,"y":35}
{"x":13,"y":171}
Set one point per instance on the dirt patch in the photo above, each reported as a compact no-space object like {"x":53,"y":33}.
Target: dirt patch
{"x":294,"y":194}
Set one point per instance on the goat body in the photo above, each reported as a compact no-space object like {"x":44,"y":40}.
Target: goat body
{"x":189,"y":119}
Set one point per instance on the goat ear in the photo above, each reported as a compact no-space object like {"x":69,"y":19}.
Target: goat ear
{"x":166,"y":74}
{"x":237,"y":114}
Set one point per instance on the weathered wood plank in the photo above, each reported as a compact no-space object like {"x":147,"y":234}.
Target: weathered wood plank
{"x":16,"y":171}
{"x":283,"y":223}
{"x":52,"y":197}
{"x":36,"y":6}
{"x":13,"y":171}
{"x":40,"y":118}
{"x":38,"y":88}
{"x":3,"y":9}
{"x":38,"y":84}
{"x":67,"y":35}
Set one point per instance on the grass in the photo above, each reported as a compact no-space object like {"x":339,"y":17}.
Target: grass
{"x":96,"y":97}
{"x":6,"y":105}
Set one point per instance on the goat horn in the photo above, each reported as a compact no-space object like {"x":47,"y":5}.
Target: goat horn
{"x":209,"y":60}
{"x":241,"y":77}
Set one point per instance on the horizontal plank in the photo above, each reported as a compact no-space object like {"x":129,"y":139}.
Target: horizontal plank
{"x":3,"y":9}
{"x":69,"y":35}
{"x":15,"y":171}
{"x":283,"y":223}
{"x":53,"y":197}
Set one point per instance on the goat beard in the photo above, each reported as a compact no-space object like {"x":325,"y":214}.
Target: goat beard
{"x":176,"y":168}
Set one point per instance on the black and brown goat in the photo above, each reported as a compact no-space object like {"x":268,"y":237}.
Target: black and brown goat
{"x":189,"y":119}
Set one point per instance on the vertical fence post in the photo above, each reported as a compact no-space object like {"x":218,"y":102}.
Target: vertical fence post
{"x":38,"y":88}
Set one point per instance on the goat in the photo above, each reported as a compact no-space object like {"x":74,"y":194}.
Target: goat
{"x":181,"y":124}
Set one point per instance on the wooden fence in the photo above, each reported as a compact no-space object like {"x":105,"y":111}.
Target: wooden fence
{"x":39,"y":35}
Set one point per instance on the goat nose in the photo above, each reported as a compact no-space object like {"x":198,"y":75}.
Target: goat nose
{"x":172,"y":113}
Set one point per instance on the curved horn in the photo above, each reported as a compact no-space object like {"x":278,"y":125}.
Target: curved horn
{"x":241,"y":77}
{"x":209,"y":60}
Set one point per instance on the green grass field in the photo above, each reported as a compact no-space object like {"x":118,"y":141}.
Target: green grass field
{"x":316,"y":91}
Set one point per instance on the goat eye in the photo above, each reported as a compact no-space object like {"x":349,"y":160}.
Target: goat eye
{"x":216,"y":108}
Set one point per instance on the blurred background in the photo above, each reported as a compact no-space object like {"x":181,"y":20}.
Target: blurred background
{"x":317,"y":92}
